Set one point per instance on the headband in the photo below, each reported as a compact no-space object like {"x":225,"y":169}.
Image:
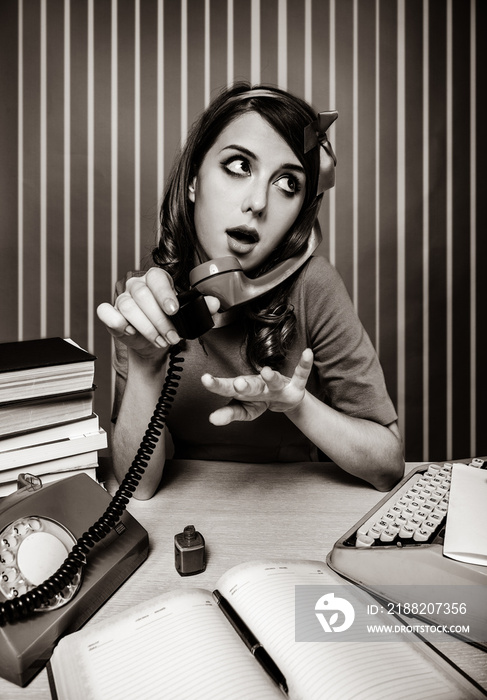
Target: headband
{"x":315,"y":134}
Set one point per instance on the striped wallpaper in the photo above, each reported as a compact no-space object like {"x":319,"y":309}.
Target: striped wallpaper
{"x":96,"y":96}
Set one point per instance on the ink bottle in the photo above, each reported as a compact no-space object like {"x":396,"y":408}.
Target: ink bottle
{"x":189,"y":552}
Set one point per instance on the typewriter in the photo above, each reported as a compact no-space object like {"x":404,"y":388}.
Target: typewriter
{"x":397,"y":551}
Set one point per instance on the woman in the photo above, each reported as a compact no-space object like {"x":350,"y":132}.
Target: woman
{"x":281,"y":377}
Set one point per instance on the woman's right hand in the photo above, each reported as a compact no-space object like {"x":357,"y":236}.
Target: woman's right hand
{"x":141,"y":315}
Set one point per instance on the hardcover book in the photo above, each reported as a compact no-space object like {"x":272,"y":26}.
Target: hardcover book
{"x":53,"y":450}
{"x":18,"y":417}
{"x":51,"y":466}
{"x":47,"y":434}
{"x":43,"y":367}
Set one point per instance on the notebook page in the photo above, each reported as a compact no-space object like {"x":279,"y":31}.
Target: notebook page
{"x":263,"y":593}
{"x":175,"y":646}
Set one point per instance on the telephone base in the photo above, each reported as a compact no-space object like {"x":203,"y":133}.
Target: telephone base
{"x":76,"y":502}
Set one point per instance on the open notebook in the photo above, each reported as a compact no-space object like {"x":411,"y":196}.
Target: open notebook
{"x":181,"y":645}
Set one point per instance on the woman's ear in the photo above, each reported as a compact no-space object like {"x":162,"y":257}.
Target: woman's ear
{"x":192,"y":189}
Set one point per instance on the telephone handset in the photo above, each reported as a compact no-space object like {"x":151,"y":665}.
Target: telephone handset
{"x":46,"y":532}
{"x":225,"y":279}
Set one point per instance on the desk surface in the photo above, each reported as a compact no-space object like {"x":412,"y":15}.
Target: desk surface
{"x":244,"y":512}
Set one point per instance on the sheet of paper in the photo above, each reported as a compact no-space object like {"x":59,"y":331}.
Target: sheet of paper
{"x":466,"y":522}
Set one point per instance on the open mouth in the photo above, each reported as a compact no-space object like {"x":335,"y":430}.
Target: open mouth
{"x":243,"y":235}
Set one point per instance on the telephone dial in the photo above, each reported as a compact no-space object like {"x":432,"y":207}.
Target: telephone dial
{"x":56,"y":567}
{"x":39,"y":525}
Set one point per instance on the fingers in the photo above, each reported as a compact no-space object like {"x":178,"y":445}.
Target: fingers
{"x":148,"y":304}
{"x":235,"y":387}
{"x":114,"y":321}
{"x":236,"y":411}
{"x":303,"y":369}
{"x":161,"y":286}
{"x":227,"y":414}
{"x":275,"y":381}
{"x":213,"y":304}
{"x":253,"y":394}
{"x":217,"y":385}
{"x":141,"y":310}
{"x":259,"y":385}
{"x":145,"y":309}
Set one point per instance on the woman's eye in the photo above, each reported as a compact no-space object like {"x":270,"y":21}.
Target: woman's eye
{"x":237,"y":166}
{"x":288,"y":184}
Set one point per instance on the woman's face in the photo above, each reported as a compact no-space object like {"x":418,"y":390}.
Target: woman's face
{"x":247,"y":193}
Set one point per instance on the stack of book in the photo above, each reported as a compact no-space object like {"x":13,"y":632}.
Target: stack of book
{"x":47,"y":424}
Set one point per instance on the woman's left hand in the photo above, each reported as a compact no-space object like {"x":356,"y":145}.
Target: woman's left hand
{"x":253,"y":394}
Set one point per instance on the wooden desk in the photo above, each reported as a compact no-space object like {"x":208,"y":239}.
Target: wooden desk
{"x":244,"y":512}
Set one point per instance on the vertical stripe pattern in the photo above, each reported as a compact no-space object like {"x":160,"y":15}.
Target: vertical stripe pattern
{"x":20,"y":173}
{"x":401,"y":214}
{"x":97,"y":98}
{"x":473,"y":231}
{"x":43,"y":170}
{"x":66,"y":172}
{"x":425,"y":230}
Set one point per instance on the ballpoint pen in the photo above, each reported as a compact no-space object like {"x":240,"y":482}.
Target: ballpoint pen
{"x":251,"y":642}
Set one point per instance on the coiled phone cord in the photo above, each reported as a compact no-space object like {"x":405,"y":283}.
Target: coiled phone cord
{"x":23,"y":606}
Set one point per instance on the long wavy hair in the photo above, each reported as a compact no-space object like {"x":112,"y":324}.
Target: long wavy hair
{"x":269,"y":320}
